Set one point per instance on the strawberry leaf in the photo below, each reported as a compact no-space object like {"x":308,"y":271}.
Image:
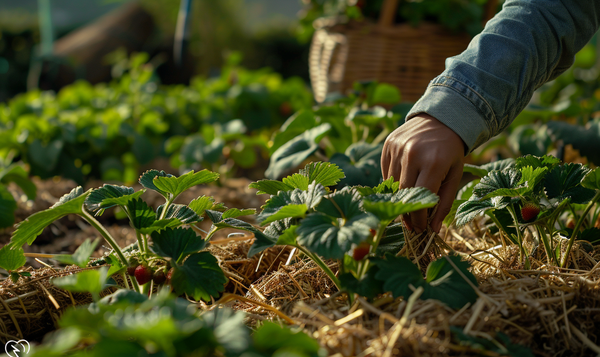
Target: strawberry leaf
{"x":201,"y":204}
{"x":92,"y":281}
{"x":176,"y":243}
{"x":324,"y":173}
{"x":368,"y":286}
{"x":147,"y":180}
{"x":109,"y":196}
{"x":176,"y":185}
{"x":182,"y":212}
{"x":271,"y":187}
{"x":443,"y":282}
{"x":360,"y":163}
{"x":483,"y":170}
{"x":289,"y":211}
{"x":387,"y":207}
{"x":565,"y":181}
{"x":28,"y":230}
{"x":82,"y":254}
{"x":200,"y":277}
{"x":234,"y":213}
{"x":8,"y":206}
{"x":471,"y":209}
{"x":307,"y":199}
{"x":12,"y":259}
{"x":345,"y":203}
{"x":332,"y":237}
{"x":295,"y":151}
{"x":142,"y":215}
{"x":387,"y":186}
{"x":592,"y":179}
{"x":535,"y":161}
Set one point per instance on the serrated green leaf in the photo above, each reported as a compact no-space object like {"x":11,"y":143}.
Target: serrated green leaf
{"x":345,"y":203}
{"x":500,"y":184}
{"x":279,"y":232}
{"x":536,"y":161}
{"x":482,"y":170}
{"x":92,"y":281}
{"x":298,"y":181}
{"x":28,"y":230}
{"x":200,"y":277}
{"x":142,"y":215}
{"x":324,"y":173}
{"x":360,"y":163}
{"x":181,"y":212}
{"x":161,"y":224}
{"x":332,"y":237}
{"x":234,"y":213}
{"x":201,"y":204}
{"x":295,"y":151}
{"x":288,"y":237}
{"x":469,"y":210}
{"x":398,"y":275}
{"x":270,"y":187}
{"x":12,"y":259}
{"x":392,"y":240}
{"x":443,"y":281}
{"x":8,"y":206}
{"x":592,"y":179}
{"x":388,"y":207}
{"x":289,"y":211}
{"x":147,"y":180}
{"x":176,"y":243}
{"x":368,"y":286}
{"x":82,"y":254}
{"x":309,"y":198}
{"x":109,"y":196}
{"x":565,"y":181}
{"x":176,"y":185}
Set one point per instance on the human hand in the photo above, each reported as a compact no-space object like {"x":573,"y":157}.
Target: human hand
{"x":425,"y":153}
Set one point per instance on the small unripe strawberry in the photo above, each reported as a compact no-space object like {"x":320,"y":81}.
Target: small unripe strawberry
{"x":159,"y":277}
{"x":143,"y":274}
{"x":131,"y":270}
{"x":170,"y":276}
{"x":373,"y":232}
{"x":530,"y":211}
{"x":361,"y":251}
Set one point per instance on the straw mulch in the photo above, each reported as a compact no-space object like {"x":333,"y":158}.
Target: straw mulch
{"x":553,"y":311}
{"x":32,"y":307}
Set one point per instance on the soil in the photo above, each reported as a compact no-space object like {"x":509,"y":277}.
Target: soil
{"x":66,"y":234}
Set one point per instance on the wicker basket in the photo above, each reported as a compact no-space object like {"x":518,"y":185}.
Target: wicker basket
{"x":399,"y":54}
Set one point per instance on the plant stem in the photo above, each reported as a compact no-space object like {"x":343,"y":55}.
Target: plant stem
{"x":109,"y":239}
{"x":576,"y":229}
{"x":544,"y":239}
{"x":315,"y":258}
{"x":166,"y":206}
{"x":522,"y":251}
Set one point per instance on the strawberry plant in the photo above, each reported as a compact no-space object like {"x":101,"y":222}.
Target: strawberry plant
{"x":131,"y":324}
{"x":17,"y":174}
{"x":534,"y":193}
{"x":170,"y":228}
{"x":348,"y":131}
{"x":354,"y":226}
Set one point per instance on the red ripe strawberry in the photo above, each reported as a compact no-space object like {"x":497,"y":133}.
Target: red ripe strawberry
{"x":159,"y":277}
{"x":530,"y":211}
{"x":361,"y":251}
{"x":143,"y":274}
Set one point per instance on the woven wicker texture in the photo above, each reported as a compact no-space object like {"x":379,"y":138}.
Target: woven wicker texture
{"x":399,"y":54}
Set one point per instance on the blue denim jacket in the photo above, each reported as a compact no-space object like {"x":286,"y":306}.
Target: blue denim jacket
{"x":525,"y":45}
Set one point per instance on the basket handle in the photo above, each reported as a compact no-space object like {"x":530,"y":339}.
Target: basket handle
{"x":389,"y":7}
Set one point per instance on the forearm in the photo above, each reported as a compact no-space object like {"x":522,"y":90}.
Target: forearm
{"x":527,"y":44}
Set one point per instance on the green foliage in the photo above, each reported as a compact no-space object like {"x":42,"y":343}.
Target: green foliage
{"x":349,"y":131}
{"x":539,"y":181}
{"x":109,"y":131}
{"x":17,"y":174}
{"x":92,"y":281}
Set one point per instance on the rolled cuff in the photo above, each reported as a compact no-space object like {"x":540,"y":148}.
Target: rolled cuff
{"x":456,"y":112}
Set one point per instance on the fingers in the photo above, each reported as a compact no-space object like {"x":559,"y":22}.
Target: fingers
{"x":447,"y":193}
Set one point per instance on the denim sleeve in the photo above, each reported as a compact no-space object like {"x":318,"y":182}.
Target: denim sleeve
{"x":525,"y":45}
